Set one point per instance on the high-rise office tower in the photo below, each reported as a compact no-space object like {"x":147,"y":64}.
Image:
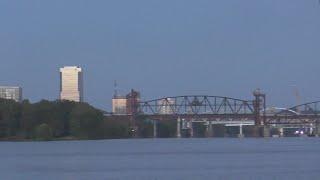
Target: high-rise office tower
{"x":9,"y":92}
{"x":71,"y":83}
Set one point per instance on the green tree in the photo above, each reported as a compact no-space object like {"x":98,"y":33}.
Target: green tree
{"x":116,"y":128}
{"x":64,"y":109}
{"x":43,"y":132}
{"x":86,"y":122}
{"x":27,"y":120}
{"x":10,"y":113}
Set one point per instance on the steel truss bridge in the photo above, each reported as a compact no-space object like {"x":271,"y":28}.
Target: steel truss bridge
{"x":308,"y":113}
{"x":197,"y":107}
{"x":226,"y":109}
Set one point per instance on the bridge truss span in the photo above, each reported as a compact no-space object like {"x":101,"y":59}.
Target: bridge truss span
{"x":308,"y":113}
{"x":196,"y":105}
{"x":311,"y":108}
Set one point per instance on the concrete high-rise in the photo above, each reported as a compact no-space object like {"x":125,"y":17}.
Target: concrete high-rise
{"x":9,"y":92}
{"x":71,"y":83}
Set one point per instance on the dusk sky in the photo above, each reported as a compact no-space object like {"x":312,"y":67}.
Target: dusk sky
{"x":164,"y":47}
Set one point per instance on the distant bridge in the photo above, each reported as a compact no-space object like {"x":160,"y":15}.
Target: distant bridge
{"x":197,"y":107}
{"x":226,"y":110}
{"x":211,"y":108}
{"x":301,"y":114}
{"x":218,"y":108}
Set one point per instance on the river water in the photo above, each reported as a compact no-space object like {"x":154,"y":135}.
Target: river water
{"x":157,"y":159}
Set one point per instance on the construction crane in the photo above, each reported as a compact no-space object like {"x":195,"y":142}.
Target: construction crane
{"x":115,"y":89}
{"x":298,"y":97}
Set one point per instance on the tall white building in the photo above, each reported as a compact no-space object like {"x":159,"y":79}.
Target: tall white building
{"x":71,"y":83}
{"x":9,"y":92}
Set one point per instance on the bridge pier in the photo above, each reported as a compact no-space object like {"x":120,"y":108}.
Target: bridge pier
{"x":191,"y":128}
{"x":256,"y":131}
{"x":155,"y":128}
{"x":241,"y":135}
{"x":266,"y":131}
{"x":317,"y":129}
{"x":179,"y":127}
{"x":209,"y":132}
{"x":281,"y":132}
{"x":261,"y":131}
{"x":311,"y":130}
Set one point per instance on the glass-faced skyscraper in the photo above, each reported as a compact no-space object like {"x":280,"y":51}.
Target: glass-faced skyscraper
{"x":71,"y":83}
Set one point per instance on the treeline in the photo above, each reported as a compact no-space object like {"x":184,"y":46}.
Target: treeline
{"x":47,"y":120}
{"x":51,"y":120}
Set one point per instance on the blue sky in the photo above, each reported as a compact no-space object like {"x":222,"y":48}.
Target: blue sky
{"x":163,"y":47}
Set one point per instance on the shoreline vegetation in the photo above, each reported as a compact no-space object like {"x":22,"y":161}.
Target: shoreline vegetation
{"x":67,"y":120}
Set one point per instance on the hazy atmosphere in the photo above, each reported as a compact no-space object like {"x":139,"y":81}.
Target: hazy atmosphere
{"x":163,"y":48}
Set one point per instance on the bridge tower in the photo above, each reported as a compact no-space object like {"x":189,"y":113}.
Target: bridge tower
{"x":259,"y":111}
{"x":259,"y":104}
{"x":132,"y":106}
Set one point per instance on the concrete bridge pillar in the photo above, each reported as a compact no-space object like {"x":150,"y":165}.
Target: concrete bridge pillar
{"x":256,"y":131}
{"x":209,"y":132}
{"x":191,"y":128}
{"x":311,"y":130}
{"x":261,"y":131}
{"x":241,"y":135}
{"x":179,"y":127}
{"x":155,"y":128}
{"x":317,"y":129}
{"x":281,"y":132}
{"x":266,"y":131}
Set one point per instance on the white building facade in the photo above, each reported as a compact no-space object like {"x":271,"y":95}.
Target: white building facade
{"x":119,"y":105}
{"x":11,"y":92}
{"x":71,"y":83}
{"x":166,"y":106}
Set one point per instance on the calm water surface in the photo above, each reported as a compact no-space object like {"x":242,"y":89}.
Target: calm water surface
{"x":155,"y":159}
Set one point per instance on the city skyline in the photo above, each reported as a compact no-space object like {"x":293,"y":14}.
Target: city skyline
{"x":162,"y":89}
{"x":209,"y":47}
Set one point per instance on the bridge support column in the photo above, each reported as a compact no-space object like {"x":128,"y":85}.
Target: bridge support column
{"x":209,"y":129}
{"x":281,"y":132}
{"x":179,"y":127}
{"x":191,"y":128}
{"x":266,"y":131}
{"x":133,"y":128}
{"x":240,"y":135}
{"x":155,"y":128}
{"x":256,"y":131}
{"x":311,"y":130}
{"x":317,"y":129}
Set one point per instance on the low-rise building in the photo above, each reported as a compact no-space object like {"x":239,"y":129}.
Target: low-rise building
{"x":166,"y":106}
{"x":11,"y":92}
{"x":119,"y":105}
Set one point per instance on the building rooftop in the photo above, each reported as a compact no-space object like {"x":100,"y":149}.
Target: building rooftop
{"x":10,"y":87}
{"x":71,"y":67}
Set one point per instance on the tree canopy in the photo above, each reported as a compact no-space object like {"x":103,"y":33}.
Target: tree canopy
{"x":50,"y":120}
